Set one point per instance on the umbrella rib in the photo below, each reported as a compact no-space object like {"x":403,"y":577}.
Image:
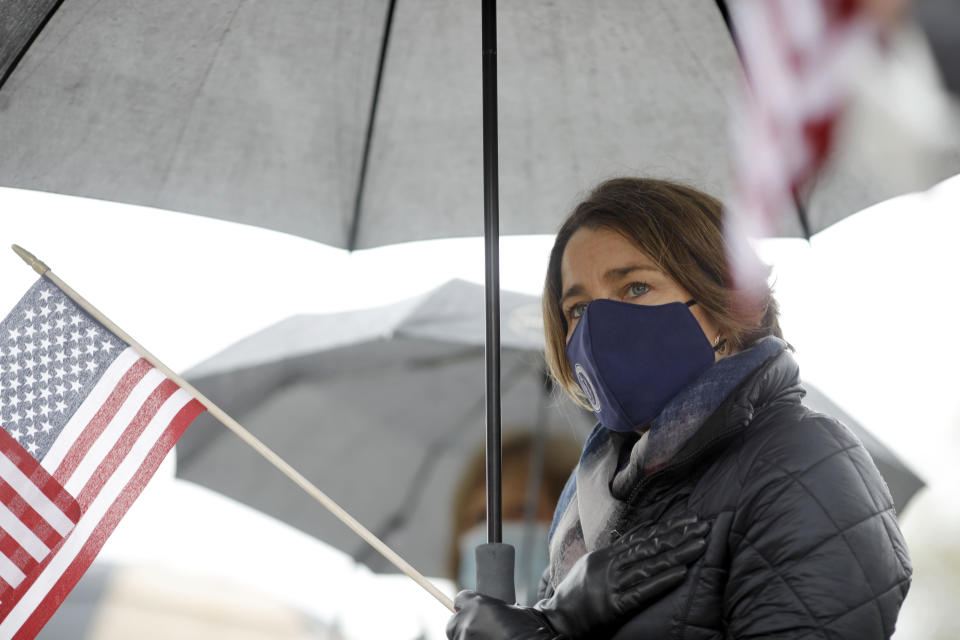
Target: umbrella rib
{"x":6,"y":73}
{"x":802,"y":215}
{"x":371,"y":118}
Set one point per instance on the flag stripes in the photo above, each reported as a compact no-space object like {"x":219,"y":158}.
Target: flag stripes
{"x":25,"y":514}
{"x":35,"y":513}
{"x":85,"y":422}
{"x":105,"y":454}
{"x":86,"y":460}
{"x":802,"y":59}
{"x":14,"y":564}
{"x":35,"y":493}
{"x":39,"y":596}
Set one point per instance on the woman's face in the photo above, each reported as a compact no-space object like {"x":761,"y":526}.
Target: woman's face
{"x":600,"y":263}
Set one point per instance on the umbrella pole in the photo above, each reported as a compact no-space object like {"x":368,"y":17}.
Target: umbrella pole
{"x":494,"y":560}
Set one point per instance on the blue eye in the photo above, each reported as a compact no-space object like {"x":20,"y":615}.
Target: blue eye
{"x":575,"y":311}
{"x":637,"y":289}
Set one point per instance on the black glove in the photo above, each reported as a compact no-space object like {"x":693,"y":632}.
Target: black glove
{"x":602,"y":588}
{"x":482,"y":618}
{"x":607,"y":585}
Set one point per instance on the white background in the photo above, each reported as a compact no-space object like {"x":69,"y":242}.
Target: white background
{"x":870,"y":304}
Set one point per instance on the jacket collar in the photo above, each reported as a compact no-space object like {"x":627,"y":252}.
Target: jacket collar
{"x":775,"y":380}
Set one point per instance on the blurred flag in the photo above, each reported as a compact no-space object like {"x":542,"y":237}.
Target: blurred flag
{"x":86,"y":422}
{"x":801,"y":59}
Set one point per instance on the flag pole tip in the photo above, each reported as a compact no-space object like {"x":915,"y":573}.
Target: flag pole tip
{"x":30,"y":259}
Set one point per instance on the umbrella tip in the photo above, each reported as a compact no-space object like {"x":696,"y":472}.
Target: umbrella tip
{"x":35,"y":263}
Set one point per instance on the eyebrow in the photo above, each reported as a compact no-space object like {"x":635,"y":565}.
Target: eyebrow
{"x":611,"y":276}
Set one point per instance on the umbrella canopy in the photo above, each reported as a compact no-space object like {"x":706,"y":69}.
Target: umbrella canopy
{"x":346,"y":396}
{"x":358,"y":124}
{"x":380,"y":408}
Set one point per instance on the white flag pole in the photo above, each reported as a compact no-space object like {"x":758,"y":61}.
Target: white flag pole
{"x":244,"y":435}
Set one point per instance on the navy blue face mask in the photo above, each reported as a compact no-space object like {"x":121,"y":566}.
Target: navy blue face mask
{"x":631,"y":359}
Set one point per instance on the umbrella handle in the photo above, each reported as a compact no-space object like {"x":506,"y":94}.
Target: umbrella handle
{"x":495,"y":571}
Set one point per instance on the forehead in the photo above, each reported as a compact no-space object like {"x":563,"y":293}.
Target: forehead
{"x":591,"y":253}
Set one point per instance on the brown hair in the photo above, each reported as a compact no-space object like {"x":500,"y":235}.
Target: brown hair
{"x":680,"y":228}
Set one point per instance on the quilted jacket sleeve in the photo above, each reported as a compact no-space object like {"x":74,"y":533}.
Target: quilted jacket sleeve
{"x":815,"y":547}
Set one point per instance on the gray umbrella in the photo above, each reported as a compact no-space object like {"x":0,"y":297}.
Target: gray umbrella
{"x":358,"y":123}
{"x":381,"y":408}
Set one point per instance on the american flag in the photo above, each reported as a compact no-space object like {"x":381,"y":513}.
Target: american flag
{"x":86,"y":422}
{"x":802,"y":60}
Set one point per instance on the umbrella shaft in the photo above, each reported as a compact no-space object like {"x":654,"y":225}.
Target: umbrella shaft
{"x":491,"y":234}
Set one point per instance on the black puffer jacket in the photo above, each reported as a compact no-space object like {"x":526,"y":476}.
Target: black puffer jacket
{"x":804,"y":542}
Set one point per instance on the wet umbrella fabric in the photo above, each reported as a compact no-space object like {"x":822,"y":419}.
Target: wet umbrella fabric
{"x":347,"y":396}
{"x":382,"y":408}
{"x":260,"y":112}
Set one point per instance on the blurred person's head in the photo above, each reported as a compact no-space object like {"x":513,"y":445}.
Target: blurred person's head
{"x":560,"y":456}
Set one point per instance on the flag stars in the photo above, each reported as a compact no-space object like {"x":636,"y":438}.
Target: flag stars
{"x":45,"y":294}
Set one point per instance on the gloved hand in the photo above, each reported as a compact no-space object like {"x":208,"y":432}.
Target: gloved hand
{"x":607,"y":585}
{"x":480,"y":617}
{"x":602,"y":588}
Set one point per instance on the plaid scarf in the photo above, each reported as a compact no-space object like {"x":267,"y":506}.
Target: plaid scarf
{"x":613,"y":463}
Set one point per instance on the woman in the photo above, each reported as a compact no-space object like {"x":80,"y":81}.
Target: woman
{"x":700,"y":415}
